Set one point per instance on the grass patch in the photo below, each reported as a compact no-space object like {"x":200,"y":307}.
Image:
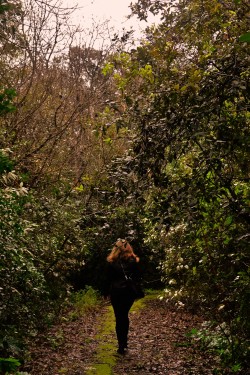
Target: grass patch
{"x":106,"y":357}
{"x":100,"y":369}
{"x":150,"y":294}
{"x":83,"y":301}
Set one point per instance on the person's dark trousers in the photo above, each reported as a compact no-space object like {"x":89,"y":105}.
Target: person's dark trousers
{"x":121,"y":306}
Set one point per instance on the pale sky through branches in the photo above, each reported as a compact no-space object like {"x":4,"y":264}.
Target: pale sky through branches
{"x":101,"y":10}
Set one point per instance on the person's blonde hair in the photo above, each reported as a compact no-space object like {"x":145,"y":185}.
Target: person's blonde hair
{"x":122,"y":250}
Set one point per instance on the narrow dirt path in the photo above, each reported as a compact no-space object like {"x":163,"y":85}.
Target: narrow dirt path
{"x":67,"y":347}
{"x":158,"y":344}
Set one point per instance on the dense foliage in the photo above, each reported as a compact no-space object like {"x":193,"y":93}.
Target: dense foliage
{"x":190,"y":155}
{"x":150,"y":144}
{"x":57,"y":137}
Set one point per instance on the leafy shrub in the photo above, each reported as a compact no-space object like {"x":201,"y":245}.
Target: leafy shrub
{"x":190,"y":158}
{"x":85,"y":300}
{"x":8,"y":365}
{"x":23,"y":288}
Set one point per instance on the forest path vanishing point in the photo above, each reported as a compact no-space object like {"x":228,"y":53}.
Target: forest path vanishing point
{"x":158,"y":344}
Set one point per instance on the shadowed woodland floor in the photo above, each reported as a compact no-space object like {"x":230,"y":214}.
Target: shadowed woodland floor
{"x":158,"y":344}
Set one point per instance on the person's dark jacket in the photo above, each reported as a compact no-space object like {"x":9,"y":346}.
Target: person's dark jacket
{"x":115,"y":276}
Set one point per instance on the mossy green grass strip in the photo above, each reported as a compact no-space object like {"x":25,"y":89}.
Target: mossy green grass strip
{"x":106,"y":356}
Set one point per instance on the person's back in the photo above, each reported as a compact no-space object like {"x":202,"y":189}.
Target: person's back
{"x":122,"y":265}
{"x":118,"y":271}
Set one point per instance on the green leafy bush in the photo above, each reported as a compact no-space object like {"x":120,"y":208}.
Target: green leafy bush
{"x":190,"y":157}
{"x":9,"y":365}
{"x":86,"y":299}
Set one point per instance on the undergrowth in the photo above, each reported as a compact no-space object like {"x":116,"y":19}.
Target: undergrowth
{"x":83,"y":301}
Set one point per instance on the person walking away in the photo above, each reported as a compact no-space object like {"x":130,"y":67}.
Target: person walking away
{"x":122,"y":263}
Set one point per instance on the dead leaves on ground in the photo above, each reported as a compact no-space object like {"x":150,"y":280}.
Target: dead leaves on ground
{"x":158,"y":344}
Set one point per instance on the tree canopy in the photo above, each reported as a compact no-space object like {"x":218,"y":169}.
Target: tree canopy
{"x":186,"y":90}
{"x":149,"y":143}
